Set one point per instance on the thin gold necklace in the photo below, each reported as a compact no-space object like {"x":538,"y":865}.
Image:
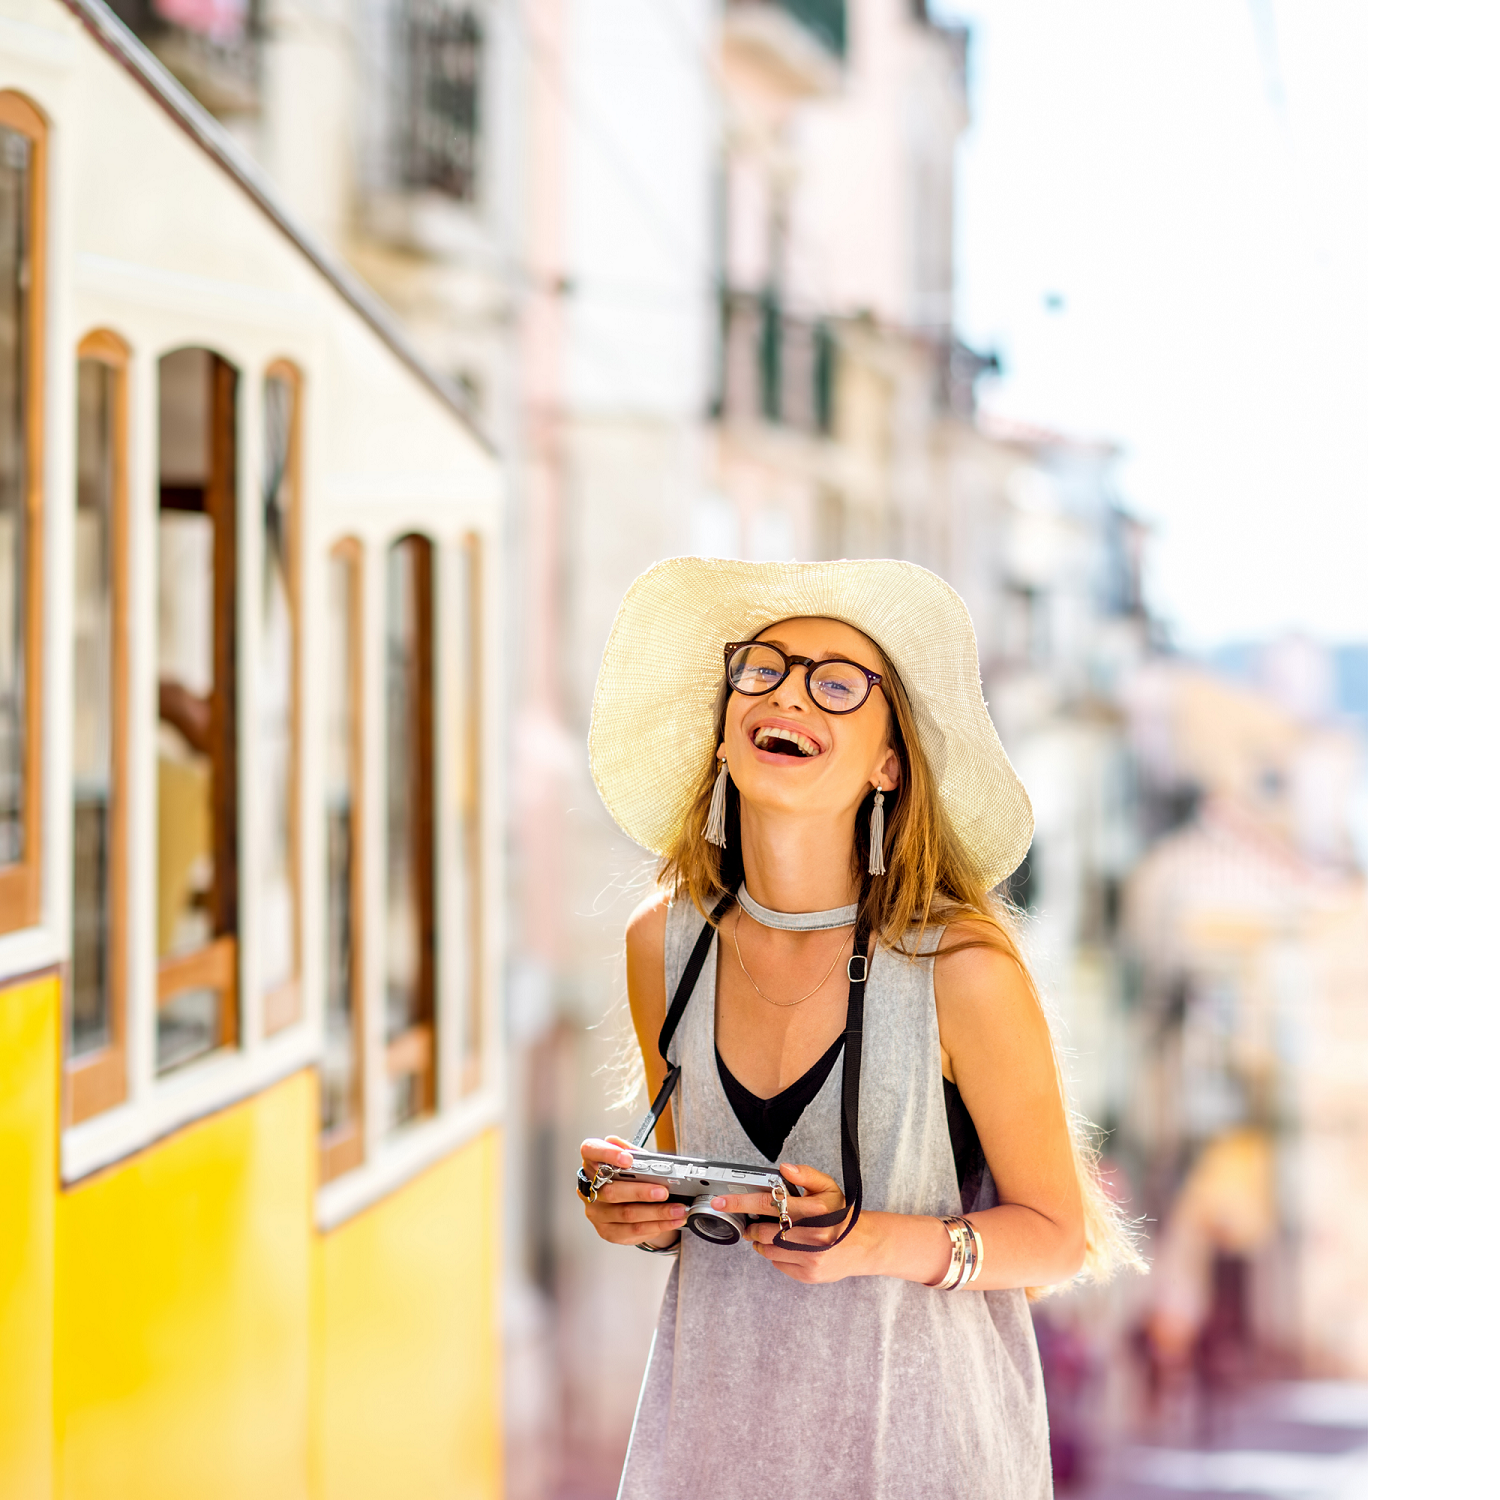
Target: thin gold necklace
{"x":779,"y":1004}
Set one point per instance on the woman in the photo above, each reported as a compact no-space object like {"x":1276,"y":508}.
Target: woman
{"x":808,"y":749}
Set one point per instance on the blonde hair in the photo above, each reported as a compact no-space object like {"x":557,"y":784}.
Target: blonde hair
{"x":929,"y":882}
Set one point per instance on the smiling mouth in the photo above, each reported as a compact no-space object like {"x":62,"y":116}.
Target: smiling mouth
{"x":778,"y":741}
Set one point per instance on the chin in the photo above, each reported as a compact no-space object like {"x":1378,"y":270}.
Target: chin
{"x":781,"y":799}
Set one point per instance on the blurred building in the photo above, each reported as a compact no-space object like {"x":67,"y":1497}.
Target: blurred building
{"x":1245,"y":923}
{"x":250,"y":1063}
{"x":839,"y":384}
{"x":1052,"y":575}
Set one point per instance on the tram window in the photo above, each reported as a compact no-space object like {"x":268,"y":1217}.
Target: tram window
{"x":22,"y":175}
{"x":278,"y":936}
{"x":343,"y":1137}
{"x":410,"y":935}
{"x":197,"y":896}
{"x":95,"y":1078}
{"x":464,"y":737}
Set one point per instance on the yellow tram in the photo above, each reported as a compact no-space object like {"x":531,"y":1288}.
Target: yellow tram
{"x":249,"y":834}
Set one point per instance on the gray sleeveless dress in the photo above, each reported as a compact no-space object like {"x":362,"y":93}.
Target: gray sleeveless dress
{"x":870,"y":1388}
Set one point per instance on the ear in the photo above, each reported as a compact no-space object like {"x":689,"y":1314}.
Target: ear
{"x":888,"y":773}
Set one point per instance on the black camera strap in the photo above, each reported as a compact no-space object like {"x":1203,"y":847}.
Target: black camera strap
{"x":854,"y":1025}
{"x":854,"y":1036}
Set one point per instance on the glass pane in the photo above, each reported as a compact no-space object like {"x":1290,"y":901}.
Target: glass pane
{"x":278,"y":955}
{"x":464,"y":738}
{"x":406,"y":1097}
{"x":184,"y":765}
{"x":409,"y":966}
{"x":93,"y":699}
{"x":188,"y":1023}
{"x":186,"y":1027}
{"x":340,"y":732}
{"x":15,"y":162}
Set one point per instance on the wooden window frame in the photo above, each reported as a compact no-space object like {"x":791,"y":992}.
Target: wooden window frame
{"x":415,"y":1049}
{"x":98,"y":1080}
{"x":216,"y":964}
{"x":283,"y":1005}
{"x":343,"y":1149}
{"x":471,"y":553}
{"x":21,"y":883}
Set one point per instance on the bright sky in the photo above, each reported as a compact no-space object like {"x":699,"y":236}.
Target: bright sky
{"x":1160,"y":227}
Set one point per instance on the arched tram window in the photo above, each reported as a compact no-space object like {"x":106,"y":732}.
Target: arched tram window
{"x":197,"y":781}
{"x":277,"y":920}
{"x":465,"y":697}
{"x":95,"y":1075}
{"x":23,"y":144}
{"x":410,"y":932}
{"x":342,"y":1094}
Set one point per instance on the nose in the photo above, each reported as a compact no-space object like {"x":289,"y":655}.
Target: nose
{"x":791,"y":691}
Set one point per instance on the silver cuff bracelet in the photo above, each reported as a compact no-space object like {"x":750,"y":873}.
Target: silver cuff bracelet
{"x":660,"y":1249}
{"x":967,"y":1255}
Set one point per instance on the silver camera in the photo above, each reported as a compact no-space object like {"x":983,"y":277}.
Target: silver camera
{"x":697,"y":1182}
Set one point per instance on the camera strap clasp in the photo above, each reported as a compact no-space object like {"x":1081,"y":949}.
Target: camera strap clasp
{"x":601,"y":1178}
{"x":778,"y":1197}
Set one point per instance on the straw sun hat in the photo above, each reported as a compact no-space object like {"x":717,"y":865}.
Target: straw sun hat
{"x":666,"y":656}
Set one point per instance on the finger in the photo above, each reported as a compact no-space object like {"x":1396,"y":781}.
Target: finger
{"x":632,"y":1192}
{"x":595,"y":1151}
{"x":636,"y":1213}
{"x":615,"y":1152}
{"x":746,"y":1203}
{"x":796,"y":1208}
{"x":766,"y":1234}
{"x":785,"y":1260}
{"x":809,"y":1179}
{"x":633,"y":1234}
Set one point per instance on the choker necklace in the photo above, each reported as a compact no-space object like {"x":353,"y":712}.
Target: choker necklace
{"x":797,"y":921}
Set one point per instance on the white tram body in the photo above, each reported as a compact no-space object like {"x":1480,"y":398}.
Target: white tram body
{"x":250,"y":948}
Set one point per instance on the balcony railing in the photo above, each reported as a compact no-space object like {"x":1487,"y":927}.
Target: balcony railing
{"x":209,"y":45}
{"x":442,"y":44}
{"x":773,"y":367}
{"x":827,"y":20}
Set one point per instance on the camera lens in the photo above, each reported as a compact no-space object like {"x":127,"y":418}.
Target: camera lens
{"x":713,"y":1224}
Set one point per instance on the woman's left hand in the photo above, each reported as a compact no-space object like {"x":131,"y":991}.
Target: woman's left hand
{"x":822,"y":1197}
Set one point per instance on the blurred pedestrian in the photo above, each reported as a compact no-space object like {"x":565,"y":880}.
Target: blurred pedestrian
{"x":1068,"y":1373}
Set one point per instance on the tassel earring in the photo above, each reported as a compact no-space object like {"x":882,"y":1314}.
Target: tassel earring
{"x":877,"y":834}
{"x":713,"y":830}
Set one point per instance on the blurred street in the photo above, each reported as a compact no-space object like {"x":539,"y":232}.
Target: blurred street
{"x":1293,"y":1440}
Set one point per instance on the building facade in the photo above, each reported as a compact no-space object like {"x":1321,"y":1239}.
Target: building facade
{"x":1245,"y":928}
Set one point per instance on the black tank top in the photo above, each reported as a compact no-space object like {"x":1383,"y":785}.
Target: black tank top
{"x":768,"y":1122}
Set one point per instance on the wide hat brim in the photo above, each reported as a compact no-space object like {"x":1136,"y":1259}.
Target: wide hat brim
{"x":665,"y":664}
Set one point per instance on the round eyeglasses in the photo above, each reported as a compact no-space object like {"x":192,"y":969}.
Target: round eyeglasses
{"x":755,"y":668}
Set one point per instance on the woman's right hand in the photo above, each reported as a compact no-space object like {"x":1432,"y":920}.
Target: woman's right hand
{"x":627,"y":1213}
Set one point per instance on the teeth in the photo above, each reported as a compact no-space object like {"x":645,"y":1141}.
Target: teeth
{"x":763,"y":738}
